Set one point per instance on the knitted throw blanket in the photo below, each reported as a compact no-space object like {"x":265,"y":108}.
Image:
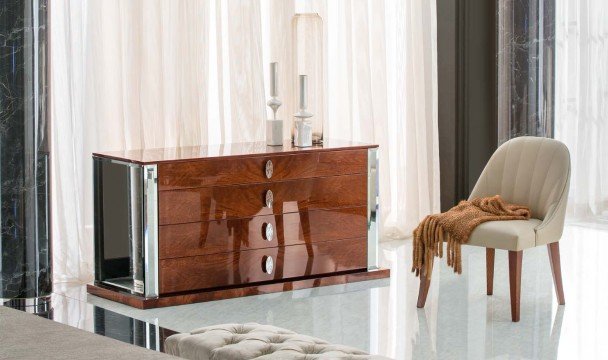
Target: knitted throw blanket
{"x":454,"y":227}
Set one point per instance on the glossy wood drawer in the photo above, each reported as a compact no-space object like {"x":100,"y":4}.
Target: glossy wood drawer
{"x":245,"y":267}
{"x":249,"y":170}
{"x":245,"y":201}
{"x":212,"y":237}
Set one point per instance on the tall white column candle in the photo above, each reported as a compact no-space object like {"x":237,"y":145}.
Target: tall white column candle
{"x":274,"y":78}
{"x":303,"y":81}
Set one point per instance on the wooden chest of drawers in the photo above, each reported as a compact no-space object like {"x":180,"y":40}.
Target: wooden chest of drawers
{"x":181,"y":225}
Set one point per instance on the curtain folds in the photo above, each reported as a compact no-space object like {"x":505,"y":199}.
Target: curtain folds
{"x":166,"y":73}
{"x":581,"y":106}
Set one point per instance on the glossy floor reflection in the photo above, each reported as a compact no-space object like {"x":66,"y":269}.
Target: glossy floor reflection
{"x":459,"y":320}
{"x":77,"y":312}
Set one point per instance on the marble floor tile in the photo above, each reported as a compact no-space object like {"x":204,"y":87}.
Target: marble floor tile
{"x":459,"y":321}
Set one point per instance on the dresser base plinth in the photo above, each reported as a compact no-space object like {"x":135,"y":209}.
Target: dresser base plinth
{"x":140,"y":302}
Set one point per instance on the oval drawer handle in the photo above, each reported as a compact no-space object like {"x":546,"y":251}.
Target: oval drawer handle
{"x":269,"y":199}
{"x":268,"y":231}
{"x":269,"y":169}
{"x":267,"y":264}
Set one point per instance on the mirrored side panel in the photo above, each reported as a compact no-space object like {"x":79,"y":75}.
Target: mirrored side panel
{"x":372,"y":208}
{"x":118,"y":218}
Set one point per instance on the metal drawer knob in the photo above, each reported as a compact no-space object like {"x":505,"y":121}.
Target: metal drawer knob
{"x":267,"y":264}
{"x":269,"y":169}
{"x":269,"y":199}
{"x":268,"y":231}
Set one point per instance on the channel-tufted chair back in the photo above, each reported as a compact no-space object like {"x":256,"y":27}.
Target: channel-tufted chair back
{"x":530,"y":171}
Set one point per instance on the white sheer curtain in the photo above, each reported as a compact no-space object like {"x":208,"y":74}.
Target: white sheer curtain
{"x":143,"y":74}
{"x":581,"y":111}
{"x":165,"y":73}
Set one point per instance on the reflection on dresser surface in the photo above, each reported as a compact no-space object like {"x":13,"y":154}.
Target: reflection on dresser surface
{"x":181,"y":225}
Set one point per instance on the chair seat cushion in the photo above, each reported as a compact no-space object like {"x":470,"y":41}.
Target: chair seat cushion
{"x":255,"y":341}
{"x":507,"y":235}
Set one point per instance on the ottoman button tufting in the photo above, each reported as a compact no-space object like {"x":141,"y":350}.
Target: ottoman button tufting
{"x":262,"y":341}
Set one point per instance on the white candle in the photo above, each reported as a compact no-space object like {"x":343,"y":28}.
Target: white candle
{"x":274,"y":78}
{"x":303,"y":81}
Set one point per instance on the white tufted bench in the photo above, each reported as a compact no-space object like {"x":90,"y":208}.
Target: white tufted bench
{"x":255,"y":341}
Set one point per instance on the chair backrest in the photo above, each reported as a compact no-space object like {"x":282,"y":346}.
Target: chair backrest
{"x":531,"y":171}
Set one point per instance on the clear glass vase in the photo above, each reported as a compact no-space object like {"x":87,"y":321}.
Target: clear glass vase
{"x":308,"y":55}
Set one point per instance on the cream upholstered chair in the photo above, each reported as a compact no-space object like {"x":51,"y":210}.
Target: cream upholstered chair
{"x":529,"y":171}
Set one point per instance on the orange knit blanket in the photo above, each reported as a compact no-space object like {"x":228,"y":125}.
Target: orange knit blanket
{"x":454,"y":227}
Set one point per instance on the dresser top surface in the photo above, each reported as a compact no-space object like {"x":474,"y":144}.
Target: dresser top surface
{"x":159,"y":155}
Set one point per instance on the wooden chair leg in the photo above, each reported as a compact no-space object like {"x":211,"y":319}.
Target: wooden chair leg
{"x":556,"y":269}
{"x":515,"y":258}
{"x":490,"y":270}
{"x":425,"y":284}
{"x":423,"y":291}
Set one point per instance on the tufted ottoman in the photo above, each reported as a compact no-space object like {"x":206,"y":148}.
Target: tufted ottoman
{"x":255,"y":341}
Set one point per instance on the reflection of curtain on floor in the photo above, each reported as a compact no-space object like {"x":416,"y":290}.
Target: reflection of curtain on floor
{"x":164,"y":73}
{"x":581,"y":90}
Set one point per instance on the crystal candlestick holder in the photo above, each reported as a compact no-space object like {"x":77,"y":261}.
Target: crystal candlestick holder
{"x":308,"y":53}
{"x":274,"y":127}
{"x":302,"y":126}
{"x":302,"y":133}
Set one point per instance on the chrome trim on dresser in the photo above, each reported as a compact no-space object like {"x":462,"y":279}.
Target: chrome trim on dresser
{"x":151,"y":231}
{"x":97,"y":221}
{"x":118,"y":162}
{"x":372,"y":208}
{"x":136,"y":242}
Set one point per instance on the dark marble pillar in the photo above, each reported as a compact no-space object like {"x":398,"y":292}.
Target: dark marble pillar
{"x":526,"y":58}
{"x":25,"y":257}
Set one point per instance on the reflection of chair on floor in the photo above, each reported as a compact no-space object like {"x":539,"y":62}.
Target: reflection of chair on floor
{"x":527,"y":171}
{"x":422,"y":344}
{"x":544,"y":344}
{"x":550,"y":352}
{"x":542,"y":341}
